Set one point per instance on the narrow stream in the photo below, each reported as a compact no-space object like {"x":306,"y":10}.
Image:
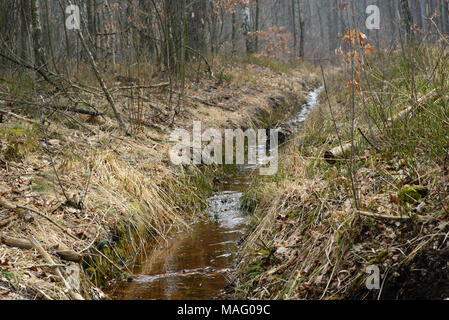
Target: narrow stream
{"x":197,"y":264}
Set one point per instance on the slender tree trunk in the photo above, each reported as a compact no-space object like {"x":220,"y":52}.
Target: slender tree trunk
{"x":301,"y":29}
{"x":246,"y":26}
{"x":295,"y":42}
{"x":234,"y":32}
{"x":36,"y":32}
{"x":257,"y":24}
{"x":320,"y":19}
{"x":407,"y":19}
{"x":443,"y":15}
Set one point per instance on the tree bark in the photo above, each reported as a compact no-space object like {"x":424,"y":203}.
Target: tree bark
{"x":39,"y":53}
{"x":301,"y":29}
{"x":407,"y":19}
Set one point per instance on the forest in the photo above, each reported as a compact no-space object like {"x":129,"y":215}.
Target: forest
{"x":98,"y":96}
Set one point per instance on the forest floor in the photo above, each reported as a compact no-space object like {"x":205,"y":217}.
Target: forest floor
{"x":91,"y":197}
{"x":311,"y":241}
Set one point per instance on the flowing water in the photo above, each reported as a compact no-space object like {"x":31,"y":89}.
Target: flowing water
{"x":198,"y":264}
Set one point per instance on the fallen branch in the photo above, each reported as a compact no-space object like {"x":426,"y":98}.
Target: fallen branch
{"x":55,"y":107}
{"x":390,"y":217}
{"x":151,"y":86}
{"x":31,"y":67}
{"x":16,"y":243}
{"x":194,"y":98}
{"x":21,"y":211}
{"x":77,"y":110}
{"x":18,"y":117}
{"x":74,"y":295}
{"x":64,"y":254}
{"x":70,"y":255}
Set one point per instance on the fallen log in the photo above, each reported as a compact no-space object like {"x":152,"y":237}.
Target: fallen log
{"x":64,"y":254}
{"x":70,"y":255}
{"x":54,"y":107}
{"x":338,"y":152}
{"x":77,"y":110}
{"x":18,"y":117}
{"x":17,"y":243}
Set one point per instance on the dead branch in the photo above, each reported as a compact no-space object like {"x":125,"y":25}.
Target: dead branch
{"x":64,"y":254}
{"x":390,"y":217}
{"x":101,"y":81}
{"x":18,"y":117}
{"x":159,"y":85}
{"x":28,"y":66}
{"x":77,"y":110}
{"x":74,"y":295}
{"x":17,"y":243}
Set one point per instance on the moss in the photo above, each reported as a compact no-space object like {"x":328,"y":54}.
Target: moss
{"x":10,"y":275}
{"x":411,"y":195}
{"x":40,"y":185}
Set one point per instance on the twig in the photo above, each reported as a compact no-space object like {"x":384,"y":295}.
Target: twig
{"x":368,"y":140}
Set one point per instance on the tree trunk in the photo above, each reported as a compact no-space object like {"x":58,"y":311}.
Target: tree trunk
{"x":295,"y":44}
{"x":36,"y":32}
{"x":407,"y":19}
{"x":234,"y":32}
{"x":301,"y":29}
{"x":246,"y":26}
{"x":257,"y":25}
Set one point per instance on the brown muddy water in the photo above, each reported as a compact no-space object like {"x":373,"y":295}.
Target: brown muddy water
{"x":198,"y":264}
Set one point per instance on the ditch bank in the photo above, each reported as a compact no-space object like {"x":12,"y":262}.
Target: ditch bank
{"x":124,"y":193}
{"x":311,"y":242}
